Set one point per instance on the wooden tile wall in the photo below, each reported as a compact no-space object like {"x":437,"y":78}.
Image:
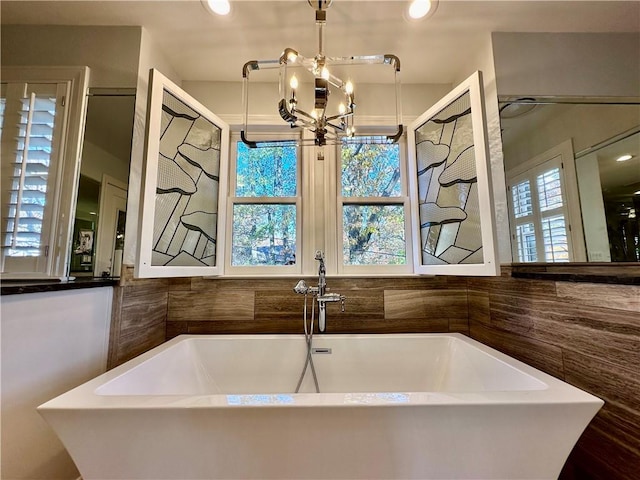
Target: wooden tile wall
{"x":586,"y":334}
{"x":138,"y":318}
{"x":270,"y":306}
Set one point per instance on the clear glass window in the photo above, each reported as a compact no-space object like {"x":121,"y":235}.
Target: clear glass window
{"x":265,"y":208}
{"x":374,"y":204}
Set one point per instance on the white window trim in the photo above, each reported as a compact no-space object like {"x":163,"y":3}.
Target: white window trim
{"x":144,"y":268}
{"x":491,"y":265}
{"x":262,"y":270}
{"x":563,"y":155}
{"x":403,"y":199}
{"x":64,"y":199}
{"x":319,"y":225}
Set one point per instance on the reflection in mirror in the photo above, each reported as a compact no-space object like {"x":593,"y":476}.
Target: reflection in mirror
{"x":98,"y":236}
{"x":569,"y":199}
{"x":611,"y":225}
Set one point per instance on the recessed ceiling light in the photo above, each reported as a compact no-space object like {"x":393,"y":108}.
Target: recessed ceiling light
{"x":420,"y":8}
{"x":637,"y":193}
{"x":219,"y":7}
{"x":624,"y":158}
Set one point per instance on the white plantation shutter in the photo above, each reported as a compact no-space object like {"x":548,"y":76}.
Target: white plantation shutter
{"x":539,"y":215}
{"x":32,"y":119}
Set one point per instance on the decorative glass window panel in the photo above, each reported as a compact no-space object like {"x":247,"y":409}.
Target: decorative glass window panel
{"x":185,"y":175}
{"x":452,"y":208}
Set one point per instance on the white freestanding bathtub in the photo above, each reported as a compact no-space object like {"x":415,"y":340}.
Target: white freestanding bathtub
{"x":415,"y":406}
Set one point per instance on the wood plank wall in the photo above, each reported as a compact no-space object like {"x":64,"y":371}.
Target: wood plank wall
{"x":376,"y":305}
{"x":138,"y":317}
{"x":586,"y":334}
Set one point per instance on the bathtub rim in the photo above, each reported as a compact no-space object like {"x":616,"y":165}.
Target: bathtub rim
{"x":84,"y":396}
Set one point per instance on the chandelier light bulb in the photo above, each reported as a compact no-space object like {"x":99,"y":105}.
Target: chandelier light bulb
{"x":292,"y":57}
{"x":314,"y":114}
{"x":342,"y":109}
{"x":419,"y":8}
{"x":348,"y":87}
{"x":293,"y":83}
{"x":325,"y":73}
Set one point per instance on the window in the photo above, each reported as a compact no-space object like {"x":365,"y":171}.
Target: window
{"x":373,"y":206}
{"x":264,"y":209}
{"x":361,"y":224}
{"x":351,"y":200}
{"x":539,"y":214}
{"x":35,"y":117}
{"x":452,"y":208}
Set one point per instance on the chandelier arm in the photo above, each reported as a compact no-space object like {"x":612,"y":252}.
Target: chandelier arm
{"x":247,"y":142}
{"x":340,"y":116}
{"x":397,"y":136}
{"x":393,"y":61}
{"x":305,"y":114}
{"x":337,"y":128}
{"x":259,"y":65}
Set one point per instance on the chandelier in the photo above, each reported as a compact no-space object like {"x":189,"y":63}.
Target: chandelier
{"x":329,"y":121}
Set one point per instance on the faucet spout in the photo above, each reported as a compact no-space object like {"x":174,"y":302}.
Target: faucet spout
{"x":322,"y":272}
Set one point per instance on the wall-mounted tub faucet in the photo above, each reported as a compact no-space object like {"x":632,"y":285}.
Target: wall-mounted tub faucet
{"x":320,"y":292}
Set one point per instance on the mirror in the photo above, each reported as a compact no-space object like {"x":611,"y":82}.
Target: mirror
{"x":98,"y":236}
{"x":571,"y":196}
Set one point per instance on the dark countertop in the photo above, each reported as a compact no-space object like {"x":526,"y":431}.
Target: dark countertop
{"x":607,"y":273}
{"x":579,"y":277}
{"x":13,"y":287}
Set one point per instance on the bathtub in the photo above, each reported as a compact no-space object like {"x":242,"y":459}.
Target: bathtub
{"x":409,"y":406}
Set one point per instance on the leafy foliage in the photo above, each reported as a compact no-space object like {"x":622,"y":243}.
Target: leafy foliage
{"x":372,"y":234}
{"x":265,"y":233}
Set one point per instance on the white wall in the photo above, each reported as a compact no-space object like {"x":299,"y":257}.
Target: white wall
{"x":595,"y":223}
{"x":483,"y":61}
{"x":573,"y":64}
{"x":225,"y":99}
{"x":51,"y":342}
{"x":110,"y":52}
{"x":150,"y":57}
{"x":97,"y":161}
{"x":550,"y":125}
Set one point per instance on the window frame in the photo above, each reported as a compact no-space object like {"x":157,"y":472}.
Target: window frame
{"x":403,"y":199}
{"x":64,"y":193}
{"x":232,"y":200}
{"x":144,"y":267}
{"x":490,"y":265}
{"x":562,"y":157}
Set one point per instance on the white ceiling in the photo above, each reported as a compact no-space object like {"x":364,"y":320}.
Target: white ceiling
{"x":202,"y":46}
